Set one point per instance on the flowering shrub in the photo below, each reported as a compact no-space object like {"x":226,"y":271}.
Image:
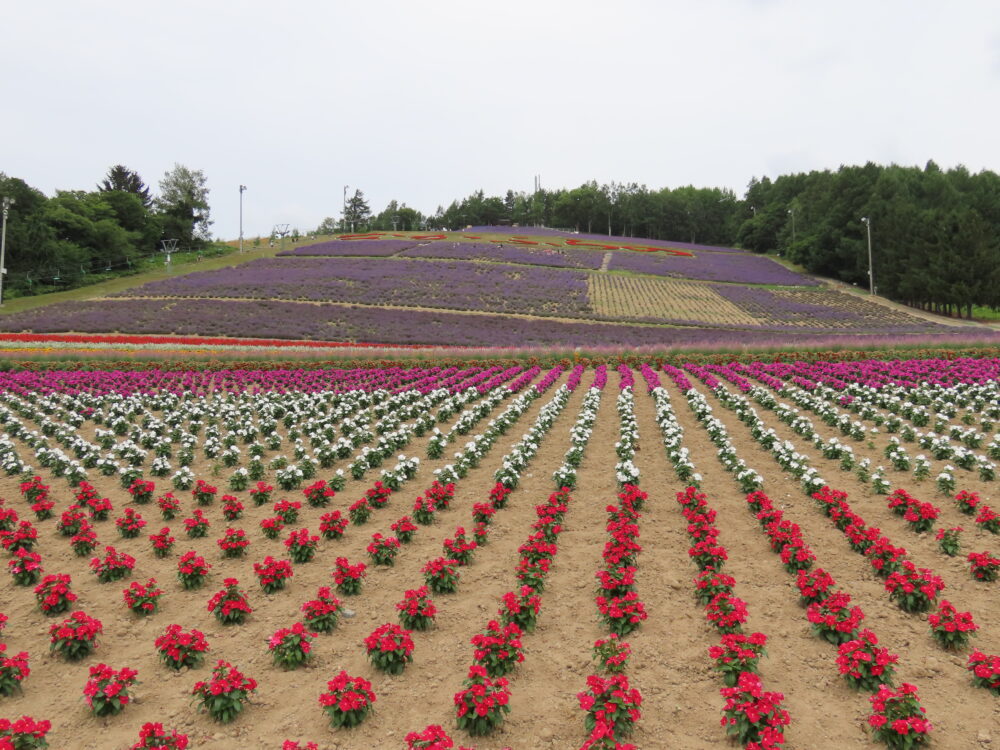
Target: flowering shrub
{"x":230,"y":605}
{"x":84,"y":541}
{"x":390,"y":648}
{"x":76,"y":636}
{"x":752,"y":715}
{"x":291,"y":647}
{"x":192,"y":570}
{"x":967,"y":502}
{"x":179,"y":649}
{"x":54,"y":595}
{"x":347,"y":577}
{"x":142,"y":491}
{"x":499,"y":649}
{"x":347,"y":700}
{"x":459,"y":548}
{"x":913,"y":589}
{"x":323,"y":612}
{"x":25,"y":567}
{"x":162,"y":542}
{"x":424,"y":510}
{"x":864,"y":665}
{"x":203,"y":492}
{"x":360,"y":512}
{"x":948,"y":540}
{"x":985,"y":670}
{"x":404,"y":529}
{"x":143,"y":599}
{"x":42,"y":509}
{"x":520,"y":608}
{"x":417,"y":611}
{"x":261,"y":493}
{"x":814,"y":586}
{"x":709,"y":582}
{"x":130,"y":524}
{"x":197,"y":525}
{"x":232,"y":508}
{"x":22,"y":537}
{"x":834,"y":619}
{"x":70,"y":522}
{"x":988,"y":520}
{"x":272,"y":527}
{"x":433,"y":737}
{"x":288,"y":510}
{"x":951,"y":628}
{"x":482,"y":703}
{"x":169,"y":505}
{"x":13,"y":671}
{"x":726,"y":613}
{"x":301,"y":546}
{"x":293,"y":745}
{"x":233,"y":543}
{"x":34,"y":489}
{"x":621,"y":614}
{"x":738,"y":653}
{"x":441,"y":575}
{"x":332,"y":525}
{"x":272,"y":574}
{"x":224,"y":696}
{"x":532,"y":573}
{"x":319,"y":494}
{"x":24,"y":734}
{"x":611,"y":706}
{"x":897,"y":718}
{"x":920,"y":516}
{"x":383,"y":549}
{"x":983,"y":566}
{"x":153,"y":735}
{"x":611,"y":654}
{"x":483,"y":513}
{"x":106,"y":691}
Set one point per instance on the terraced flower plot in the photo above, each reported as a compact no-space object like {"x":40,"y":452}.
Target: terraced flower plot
{"x":563,"y":538}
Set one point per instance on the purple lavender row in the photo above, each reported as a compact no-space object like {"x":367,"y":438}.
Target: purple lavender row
{"x":536,"y":256}
{"x":340,"y":248}
{"x":742,"y":268}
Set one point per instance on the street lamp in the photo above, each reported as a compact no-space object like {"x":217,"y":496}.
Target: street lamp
{"x":7,"y":203}
{"x":343,"y":221}
{"x":871,"y":275}
{"x":791,"y":212}
{"x":242,"y":188}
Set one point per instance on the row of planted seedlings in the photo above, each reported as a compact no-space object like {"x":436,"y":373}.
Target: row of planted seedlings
{"x":77,"y":636}
{"x":912,"y":589}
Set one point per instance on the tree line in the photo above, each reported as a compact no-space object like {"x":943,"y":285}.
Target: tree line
{"x":78,"y":233}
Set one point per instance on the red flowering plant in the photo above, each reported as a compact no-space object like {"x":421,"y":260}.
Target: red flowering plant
{"x":106,"y":691}
{"x":707,"y":553}
{"x":913,"y":589}
{"x":9,"y":517}
{"x":332,"y":525}
{"x":301,"y":546}
{"x":153,"y":735}
{"x":34,"y":489}
{"x":611,"y":654}
{"x":884,"y":557}
{"x":272,"y":574}
{"x":75,"y":637}
{"x":532,"y":573}
{"x":797,"y":556}
{"x":710,"y":582}
{"x":988,"y":520}
{"x":229,"y":605}
{"x":499,"y":494}
{"x":360,"y":512}
{"x":42,"y":509}
{"x":951,"y":628}
{"x":390,"y":648}
{"x":179,"y":649}
{"x":115,"y":565}
{"x":897,"y":718}
{"x":483,"y":513}
{"x":53,"y":594}
{"x":169,"y":506}
{"x":834,"y":619}
{"x":616,"y":581}
{"x":814,"y":586}
{"x":272,"y":527}
{"x":347,"y":700}
{"x":13,"y":671}
{"x":985,"y":670}
{"x":291,"y":647}
{"x":441,"y":575}
{"x":441,"y":494}
{"x":752,"y":715}
{"x":864,"y":665}
{"x":141,"y":491}
{"x":162,"y":542}
{"x":24,"y":734}
{"x":610,"y":705}
{"x":288,"y":510}
{"x":433,"y":737}
{"x":261,"y":493}
{"x":417,"y":611}
{"x":967,"y":502}
{"x":142,"y":598}
{"x":84,"y":541}
{"x":225,"y":695}
{"x":404,"y":529}
{"x":424,"y":510}
{"x":23,"y":536}
{"x":130,"y":524}
{"x":347,"y":577}
{"x":192,"y":570}
{"x":25,"y":567}
{"x":621,"y":614}
{"x":70,"y":521}
{"x":322,"y":613}
{"x":293,"y":745}
{"x":482,"y":703}
{"x":232,"y":508}
{"x":460,"y":548}
{"x":726,"y":613}
{"x":948,"y":540}
{"x":197,"y":525}
{"x":203,"y":492}
{"x":100,"y":508}
{"x":738,"y":653}
{"x":234,"y":543}
{"x":481,"y":532}
{"x":983,"y":566}
{"x":499,"y":649}
{"x":319,"y":494}
{"x":520,"y":608}
{"x":921,"y":516}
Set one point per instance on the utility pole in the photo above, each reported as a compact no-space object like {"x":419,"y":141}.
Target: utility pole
{"x":871,"y":274}
{"x":791,"y":212}
{"x":7,"y":203}
{"x":343,"y":221}
{"x":242,"y":188}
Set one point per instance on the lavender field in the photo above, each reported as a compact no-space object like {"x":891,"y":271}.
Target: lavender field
{"x":362,"y":248}
{"x":741,"y":268}
{"x":537,"y":256}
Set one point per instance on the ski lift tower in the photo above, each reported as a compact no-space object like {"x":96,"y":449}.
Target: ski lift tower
{"x":282,"y":231}
{"x":167,"y":247}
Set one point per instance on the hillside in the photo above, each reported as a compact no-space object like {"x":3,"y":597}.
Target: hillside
{"x":480,"y":288}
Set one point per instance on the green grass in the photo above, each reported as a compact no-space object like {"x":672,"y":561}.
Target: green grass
{"x":985,"y":313}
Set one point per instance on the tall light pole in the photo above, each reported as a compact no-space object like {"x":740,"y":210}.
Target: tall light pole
{"x":343,"y":226}
{"x":871,"y":274}
{"x":242,"y":188}
{"x":7,"y":203}
{"x":791,"y":212}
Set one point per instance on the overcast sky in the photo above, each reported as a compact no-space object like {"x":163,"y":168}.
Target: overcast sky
{"x":425,"y":102}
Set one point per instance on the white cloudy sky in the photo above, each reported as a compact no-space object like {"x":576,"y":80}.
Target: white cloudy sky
{"x":428,"y":101}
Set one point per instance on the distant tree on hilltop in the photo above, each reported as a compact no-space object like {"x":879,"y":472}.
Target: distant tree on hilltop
{"x":122,"y":178}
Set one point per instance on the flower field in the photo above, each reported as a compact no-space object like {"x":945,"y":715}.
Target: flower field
{"x":752,"y":554}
